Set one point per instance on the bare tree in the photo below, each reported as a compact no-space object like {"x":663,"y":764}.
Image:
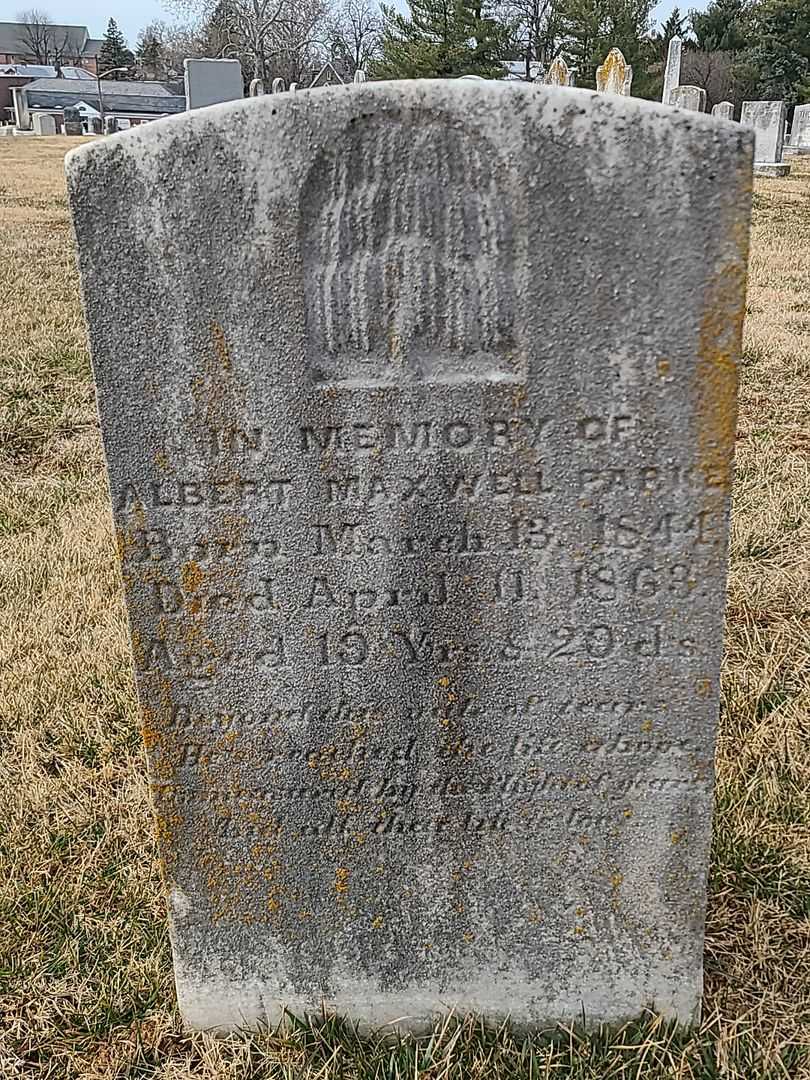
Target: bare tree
{"x":354,"y":32}
{"x":535,"y":29}
{"x":35,"y":34}
{"x":45,"y":43}
{"x":714,"y":72}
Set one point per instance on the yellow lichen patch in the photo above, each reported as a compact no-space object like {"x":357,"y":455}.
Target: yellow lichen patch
{"x":377,"y":922}
{"x":703,"y":687}
{"x":663,"y":367}
{"x":192,"y":577}
{"x":220,"y":345}
{"x":716,"y":371}
{"x":341,"y":880}
{"x":647,"y":726}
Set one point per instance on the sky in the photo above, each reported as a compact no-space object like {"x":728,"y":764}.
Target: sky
{"x":132,"y":16}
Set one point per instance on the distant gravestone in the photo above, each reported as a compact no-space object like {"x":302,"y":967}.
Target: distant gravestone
{"x":614,"y":76}
{"x":72,"y":121}
{"x":22,"y":114}
{"x":211,"y":82}
{"x":558,"y":73}
{"x":724,"y":110}
{"x":672,"y":71}
{"x":256,"y":88}
{"x":44,"y":124}
{"x":110,"y":125}
{"x":96,"y":125}
{"x":692,"y":98}
{"x":800,"y":130}
{"x":423,"y":537}
{"x":767,"y":118}
{"x":801,"y":126}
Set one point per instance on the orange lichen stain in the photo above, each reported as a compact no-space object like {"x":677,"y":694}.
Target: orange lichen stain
{"x":628,"y":812}
{"x":715,"y":385}
{"x":663,"y":367}
{"x":220,"y":345}
{"x":341,"y":880}
{"x":677,"y":837}
{"x":273,"y":904}
{"x":192,"y":577}
{"x":703,"y":687}
{"x":444,"y":681}
{"x":469,"y":936}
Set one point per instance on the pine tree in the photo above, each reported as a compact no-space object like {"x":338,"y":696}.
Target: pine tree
{"x":149,"y":54}
{"x":441,"y":39}
{"x":723,"y":27}
{"x":114,"y":52}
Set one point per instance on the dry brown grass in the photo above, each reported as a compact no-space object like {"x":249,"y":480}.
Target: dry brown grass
{"x":85,"y":971}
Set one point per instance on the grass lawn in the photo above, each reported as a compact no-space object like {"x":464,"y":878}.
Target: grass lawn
{"x":85,"y":970}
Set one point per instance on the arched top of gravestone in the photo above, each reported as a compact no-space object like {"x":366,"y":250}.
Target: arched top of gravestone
{"x":390,"y":227}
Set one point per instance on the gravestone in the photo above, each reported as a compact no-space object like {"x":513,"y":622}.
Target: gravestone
{"x":800,"y":130}
{"x":614,"y":76}
{"x":423,"y":538}
{"x":96,"y":125}
{"x":692,"y":98}
{"x":72,"y":121}
{"x":211,"y":82}
{"x":672,"y":71}
{"x":724,"y":110}
{"x":22,"y":114}
{"x":558,"y":73}
{"x":44,"y":124}
{"x":767,"y":118}
{"x":110,"y":125}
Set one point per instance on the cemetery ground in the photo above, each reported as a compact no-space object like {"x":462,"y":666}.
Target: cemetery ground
{"x":85,"y":969}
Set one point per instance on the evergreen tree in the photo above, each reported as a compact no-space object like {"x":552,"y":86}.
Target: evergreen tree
{"x":590,"y":28}
{"x":150,"y":54}
{"x":780,"y":50}
{"x":723,"y":27}
{"x":114,"y":52}
{"x":441,"y":39}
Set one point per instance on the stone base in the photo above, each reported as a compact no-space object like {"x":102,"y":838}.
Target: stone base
{"x":771,"y":168}
{"x":795,"y":151}
{"x":23,"y":131}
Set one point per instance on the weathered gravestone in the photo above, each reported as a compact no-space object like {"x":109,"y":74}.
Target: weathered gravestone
{"x":767,"y":118}
{"x":724,"y":110}
{"x":73,"y":124}
{"x":614,"y":75}
{"x":211,"y":82}
{"x":22,"y":113}
{"x":672,"y":71}
{"x":800,"y":130}
{"x":44,"y":124}
{"x":423,"y":537}
{"x":692,"y":98}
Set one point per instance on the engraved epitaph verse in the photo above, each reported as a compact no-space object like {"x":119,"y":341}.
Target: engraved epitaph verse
{"x":423,"y":554}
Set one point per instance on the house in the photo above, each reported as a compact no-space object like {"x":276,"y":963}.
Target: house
{"x":22,"y":74}
{"x":48,"y":44}
{"x":135,"y":102}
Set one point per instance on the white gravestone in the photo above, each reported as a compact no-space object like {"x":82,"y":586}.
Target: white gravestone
{"x":44,"y":124}
{"x":423,"y":538}
{"x":767,"y":118}
{"x":672,"y":71}
{"x":724,"y":110}
{"x":692,"y":98}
